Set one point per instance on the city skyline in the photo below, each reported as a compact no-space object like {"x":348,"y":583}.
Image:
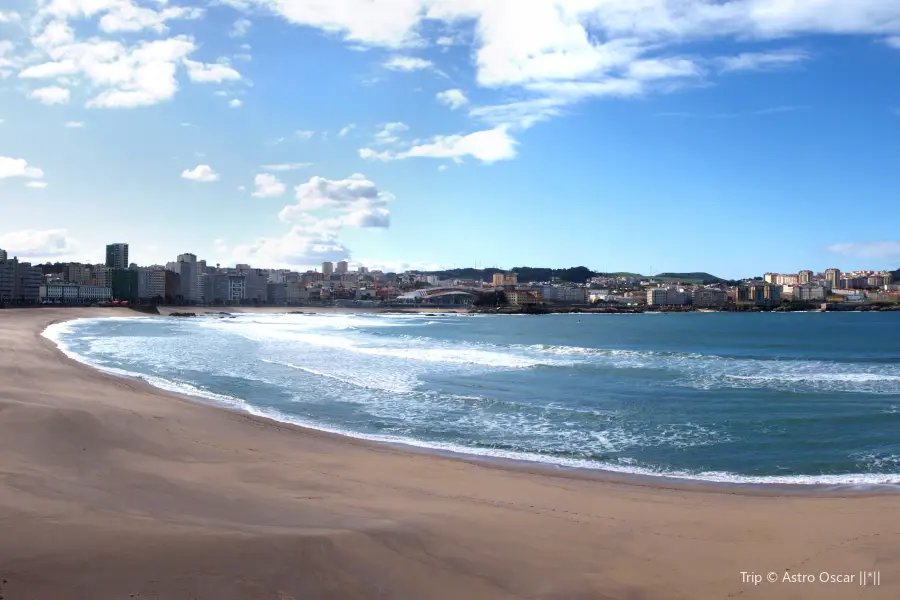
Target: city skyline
{"x":122,"y":253}
{"x":622,"y":137}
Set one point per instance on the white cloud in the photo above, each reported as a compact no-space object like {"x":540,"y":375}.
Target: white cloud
{"x":220,"y":246}
{"x":211,"y":72}
{"x":33,"y":244}
{"x":369,"y":154}
{"x":453,"y":98}
{"x":240,"y":28}
{"x":301,"y":247}
{"x":9,"y":17}
{"x":357,"y":201}
{"x":286,"y":166}
{"x":344,"y":131}
{"x":51,"y":95}
{"x":523,"y":114}
{"x":241,"y":188}
{"x":267,"y":186}
{"x":390,"y":24}
{"x":305,"y":134}
{"x":235,"y":103}
{"x":75,"y":124}
{"x":389,"y":132}
{"x":567,"y":51}
{"x":889,"y":249}
{"x":407,"y":63}
{"x":36,"y":184}
{"x":487,"y":146}
{"x":18,"y":167}
{"x":201,"y":173}
{"x":442,"y":168}
{"x":122,"y":76}
{"x":762,"y":61}
{"x":663,"y":68}
{"x":893,"y":42}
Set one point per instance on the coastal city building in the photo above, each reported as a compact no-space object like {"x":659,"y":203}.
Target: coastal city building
{"x":192,"y":281}
{"x":117,"y":256}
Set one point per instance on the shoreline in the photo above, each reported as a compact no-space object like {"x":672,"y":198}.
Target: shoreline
{"x":509,"y":459}
{"x":112,"y":488}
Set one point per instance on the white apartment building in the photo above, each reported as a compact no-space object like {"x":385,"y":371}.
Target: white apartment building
{"x":151,"y":282}
{"x":66,"y":293}
{"x":342,"y":268}
{"x":550,"y":293}
{"x":656,"y":296}
{"x":328,"y":269}
{"x":667,"y":297}
{"x":61,"y":293}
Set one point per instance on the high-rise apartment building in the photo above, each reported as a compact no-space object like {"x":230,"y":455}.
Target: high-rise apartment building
{"x":190,"y":283}
{"x":833,"y":277}
{"x":151,"y":283}
{"x":342,"y":268}
{"x":805,"y":277}
{"x":117,"y":256}
{"x":327,"y":269}
{"x":20,"y":282}
{"x":3,"y":254}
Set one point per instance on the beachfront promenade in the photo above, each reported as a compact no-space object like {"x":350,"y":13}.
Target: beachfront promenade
{"x":110,"y":488}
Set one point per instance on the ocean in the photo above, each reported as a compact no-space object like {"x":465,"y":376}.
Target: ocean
{"x":767,"y":398}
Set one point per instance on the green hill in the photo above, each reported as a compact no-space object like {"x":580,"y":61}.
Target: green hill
{"x":570,"y":275}
{"x":690,"y":277}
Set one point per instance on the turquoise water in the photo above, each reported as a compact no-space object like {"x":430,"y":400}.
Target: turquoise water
{"x":754,"y":398}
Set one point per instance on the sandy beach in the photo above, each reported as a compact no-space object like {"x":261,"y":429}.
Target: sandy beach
{"x":112,"y":489}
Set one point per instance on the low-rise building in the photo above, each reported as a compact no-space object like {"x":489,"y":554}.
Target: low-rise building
{"x":758,"y":293}
{"x":570,"y":295}
{"x":708,"y":298}
{"x":70,"y":293}
{"x":522,"y":298}
{"x":809,"y":293}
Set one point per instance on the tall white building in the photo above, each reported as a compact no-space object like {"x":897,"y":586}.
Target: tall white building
{"x":327,"y":269}
{"x":342,"y":268}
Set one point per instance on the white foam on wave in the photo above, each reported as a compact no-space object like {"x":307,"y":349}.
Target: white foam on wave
{"x":824,"y":377}
{"x":428,"y":352}
{"x":399,"y":384}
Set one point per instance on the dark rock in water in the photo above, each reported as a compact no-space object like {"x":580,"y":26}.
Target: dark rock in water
{"x":182,"y":314}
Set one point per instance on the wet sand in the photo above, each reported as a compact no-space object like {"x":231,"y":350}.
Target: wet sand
{"x":112,"y":489}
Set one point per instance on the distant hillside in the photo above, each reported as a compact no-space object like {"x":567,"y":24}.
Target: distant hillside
{"x":691,"y":277}
{"x":896,"y":276}
{"x":571,"y":275}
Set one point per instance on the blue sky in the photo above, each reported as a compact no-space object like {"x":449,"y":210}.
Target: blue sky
{"x":734,"y":137}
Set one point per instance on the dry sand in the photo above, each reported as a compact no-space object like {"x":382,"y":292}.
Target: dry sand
{"x":110,"y":489}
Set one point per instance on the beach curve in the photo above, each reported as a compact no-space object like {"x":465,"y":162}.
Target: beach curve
{"x":112,"y":487}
